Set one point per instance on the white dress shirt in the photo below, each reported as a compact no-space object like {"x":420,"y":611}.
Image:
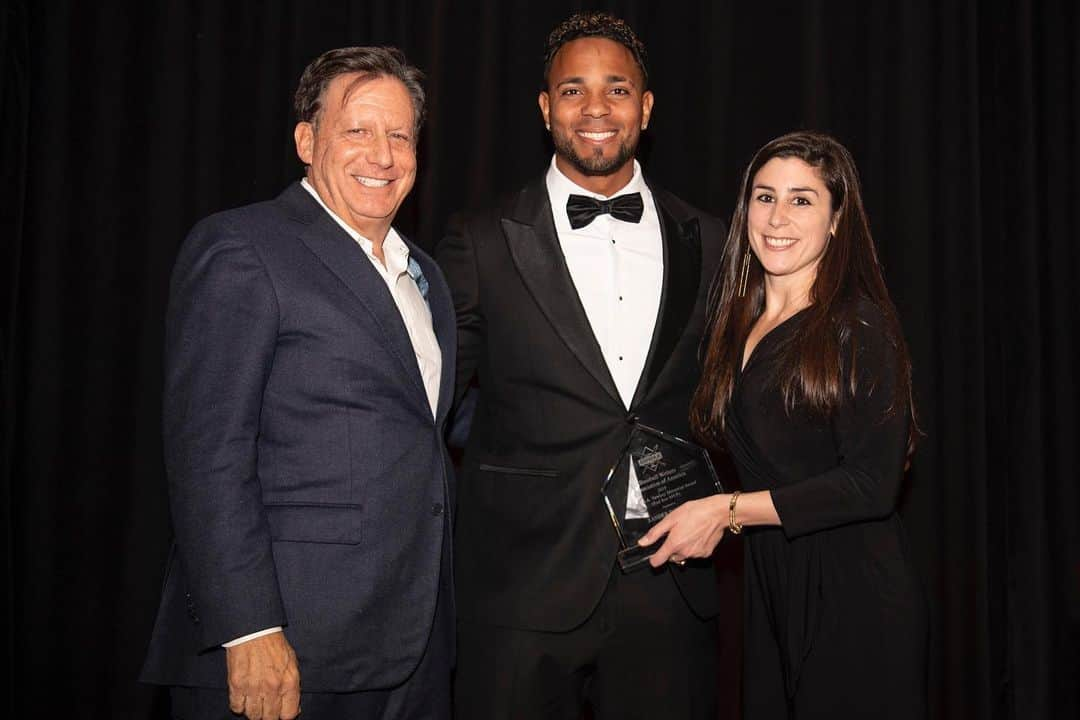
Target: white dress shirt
{"x":618,"y":271}
{"x":415,"y":313}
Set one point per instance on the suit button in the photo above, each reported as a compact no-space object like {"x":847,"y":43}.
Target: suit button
{"x":436,"y":509}
{"x":632,"y":418}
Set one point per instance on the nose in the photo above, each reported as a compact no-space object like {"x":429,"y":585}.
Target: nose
{"x":595,"y":105}
{"x":379,"y":151}
{"x":778,"y":215}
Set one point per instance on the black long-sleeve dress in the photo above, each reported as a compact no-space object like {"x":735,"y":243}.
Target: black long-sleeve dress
{"x":835,"y":615}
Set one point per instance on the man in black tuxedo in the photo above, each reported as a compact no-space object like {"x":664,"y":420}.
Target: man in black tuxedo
{"x":309,"y":364}
{"x":581,"y":303}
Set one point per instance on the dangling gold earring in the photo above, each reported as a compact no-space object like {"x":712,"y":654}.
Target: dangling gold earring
{"x":744,"y":274}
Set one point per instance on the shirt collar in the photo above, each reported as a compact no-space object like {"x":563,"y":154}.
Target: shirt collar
{"x":560,"y":188}
{"x":557,"y":182}
{"x":395,"y":251}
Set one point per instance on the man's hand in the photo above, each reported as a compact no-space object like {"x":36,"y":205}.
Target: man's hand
{"x":264,"y":680}
{"x":693,"y":529}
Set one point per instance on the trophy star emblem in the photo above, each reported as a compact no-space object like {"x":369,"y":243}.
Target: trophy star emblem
{"x":651,"y":458}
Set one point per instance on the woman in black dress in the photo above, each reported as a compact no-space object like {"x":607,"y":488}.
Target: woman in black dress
{"x":806,"y":382}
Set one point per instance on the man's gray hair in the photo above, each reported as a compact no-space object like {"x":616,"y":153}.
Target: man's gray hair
{"x":378,"y":61}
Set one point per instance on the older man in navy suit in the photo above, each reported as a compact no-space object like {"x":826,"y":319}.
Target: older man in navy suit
{"x":309,"y":370}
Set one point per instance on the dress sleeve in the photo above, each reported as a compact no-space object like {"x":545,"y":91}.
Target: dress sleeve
{"x":871,"y":444}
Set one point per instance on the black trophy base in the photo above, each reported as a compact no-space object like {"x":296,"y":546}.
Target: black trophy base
{"x":636,"y":557}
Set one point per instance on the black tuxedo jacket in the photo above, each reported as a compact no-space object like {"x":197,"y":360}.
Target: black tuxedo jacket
{"x":534,"y":543}
{"x":308,"y":481}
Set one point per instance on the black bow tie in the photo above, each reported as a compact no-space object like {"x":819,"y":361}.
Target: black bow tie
{"x":583,"y":210}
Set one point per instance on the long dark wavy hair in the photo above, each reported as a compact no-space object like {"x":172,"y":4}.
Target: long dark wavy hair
{"x":810,"y":368}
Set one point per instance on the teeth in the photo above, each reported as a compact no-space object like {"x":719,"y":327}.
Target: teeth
{"x":779,"y":242}
{"x":371,"y":182}
{"x":598,"y":135}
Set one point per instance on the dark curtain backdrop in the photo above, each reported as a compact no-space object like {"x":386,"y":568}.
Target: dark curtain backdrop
{"x":124,"y":123}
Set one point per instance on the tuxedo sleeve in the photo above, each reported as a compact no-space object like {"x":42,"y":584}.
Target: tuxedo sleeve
{"x":871,"y":442}
{"x":456,"y":255}
{"x":221,"y":331}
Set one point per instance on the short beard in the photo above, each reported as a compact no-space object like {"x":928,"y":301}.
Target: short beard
{"x":597,"y":164}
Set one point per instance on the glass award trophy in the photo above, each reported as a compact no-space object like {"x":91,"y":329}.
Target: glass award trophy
{"x":666,"y":472}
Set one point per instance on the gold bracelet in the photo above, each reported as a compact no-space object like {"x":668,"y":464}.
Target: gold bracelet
{"x":733,"y":526}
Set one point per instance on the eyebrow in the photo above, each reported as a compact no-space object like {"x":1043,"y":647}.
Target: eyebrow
{"x":579,"y":80}
{"x":794,"y":189}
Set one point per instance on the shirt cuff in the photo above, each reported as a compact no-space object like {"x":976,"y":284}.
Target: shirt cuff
{"x":252,"y":636}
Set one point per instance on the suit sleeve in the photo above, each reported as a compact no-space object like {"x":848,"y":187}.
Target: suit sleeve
{"x":456,"y":256}
{"x":221,"y":331}
{"x":871,"y":446}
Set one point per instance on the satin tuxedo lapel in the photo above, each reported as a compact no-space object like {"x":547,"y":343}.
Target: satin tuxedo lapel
{"x":682,"y":275}
{"x":343,"y":257}
{"x":534,"y":247}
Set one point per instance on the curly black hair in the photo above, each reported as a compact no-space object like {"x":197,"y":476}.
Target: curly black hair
{"x":595,"y":24}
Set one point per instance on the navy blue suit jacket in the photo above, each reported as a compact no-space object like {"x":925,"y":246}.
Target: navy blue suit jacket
{"x":309,"y":483}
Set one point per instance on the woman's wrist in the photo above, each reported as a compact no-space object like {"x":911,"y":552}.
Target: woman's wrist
{"x":734,"y":526}
{"x":749,"y":509}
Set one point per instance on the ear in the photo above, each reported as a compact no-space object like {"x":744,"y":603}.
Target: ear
{"x":835,"y":222}
{"x":304,"y":135}
{"x":646,"y":108}
{"x":545,"y":108}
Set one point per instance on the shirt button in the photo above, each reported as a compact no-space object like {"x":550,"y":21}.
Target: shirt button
{"x":436,"y":509}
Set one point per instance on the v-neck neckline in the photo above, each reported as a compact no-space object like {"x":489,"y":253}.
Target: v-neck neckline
{"x":743,"y":366}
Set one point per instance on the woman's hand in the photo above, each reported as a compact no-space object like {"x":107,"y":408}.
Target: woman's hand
{"x":693,"y":530}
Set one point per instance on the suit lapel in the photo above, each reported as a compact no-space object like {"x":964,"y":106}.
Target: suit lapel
{"x":682,"y":275}
{"x":343,"y":257}
{"x":534,"y":247}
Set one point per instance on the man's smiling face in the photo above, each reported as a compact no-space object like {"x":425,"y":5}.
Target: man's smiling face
{"x":361,"y":150}
{"x":596,"y":107}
